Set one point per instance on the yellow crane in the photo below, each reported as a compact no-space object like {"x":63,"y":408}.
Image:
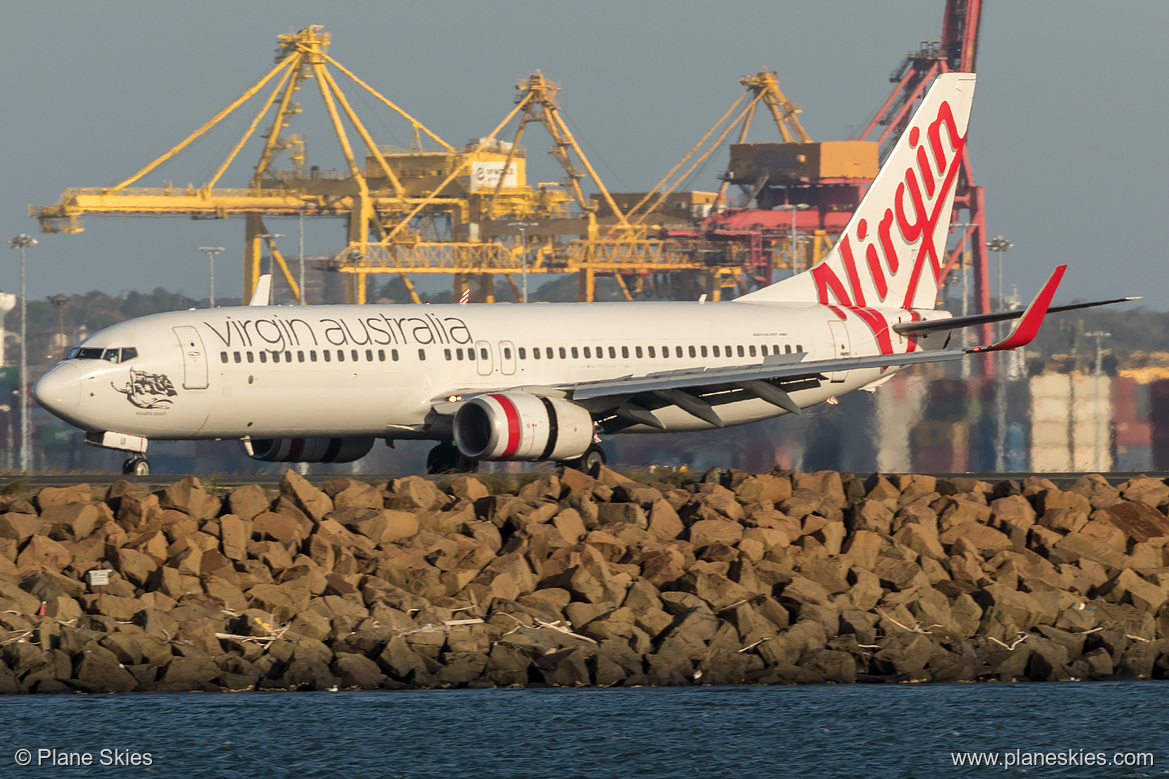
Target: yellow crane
{"x":381,"y":194}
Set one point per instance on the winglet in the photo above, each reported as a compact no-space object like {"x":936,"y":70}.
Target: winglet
{"x":1027,"y":327}
{"x":261,"y":295}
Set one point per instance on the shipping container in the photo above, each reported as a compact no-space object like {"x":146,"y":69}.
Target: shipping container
{"x":1134,"y":458}
{"x":1130,"y":434}
{"x":1050,"y":460}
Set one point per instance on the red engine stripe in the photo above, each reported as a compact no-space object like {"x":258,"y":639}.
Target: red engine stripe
{"x":513,"y":425}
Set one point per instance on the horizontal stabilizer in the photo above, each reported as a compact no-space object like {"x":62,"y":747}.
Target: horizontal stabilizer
{"x":959,"y":322}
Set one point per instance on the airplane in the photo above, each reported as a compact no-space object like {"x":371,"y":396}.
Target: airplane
{"x":542,"y":382}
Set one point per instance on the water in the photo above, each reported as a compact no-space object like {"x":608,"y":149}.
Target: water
{"x":814,"y":731}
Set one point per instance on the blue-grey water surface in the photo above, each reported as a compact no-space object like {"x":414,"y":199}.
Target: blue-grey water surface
{"x":813,"y":731}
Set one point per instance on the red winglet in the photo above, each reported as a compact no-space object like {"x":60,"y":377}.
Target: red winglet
{"x":1028,"y":326}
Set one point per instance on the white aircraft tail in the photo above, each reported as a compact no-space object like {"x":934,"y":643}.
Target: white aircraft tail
{"x":893,"y":249}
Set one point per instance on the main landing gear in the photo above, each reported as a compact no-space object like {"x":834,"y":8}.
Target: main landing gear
{"x":136,"y":465}
{"x":590,"y":462}
{"x":446,"y":458}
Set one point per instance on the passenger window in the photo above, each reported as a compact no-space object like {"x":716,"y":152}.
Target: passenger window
{"x":536,"y":353}
{"x":312,"y":355}
{"x":300,"y":356}
{"x":507,"y":352}
{"x":327,"y":355}
{"x":275,"y":356}
{"x":288,"y":356}
{"x":612,"y":353}
{"x":799,"y":348}
{"x":129,"y":354}
{"x":223,"y":356}
{"x":250,"y":357}
{"x":575,"y":353}
{"x":625,"y":352}
{"x":547,"y":352}
{"x":678,"y":351}
{"x":236,"y":356}
{"x":447,"y":354}
{"x":752,"y":350}
{"x":716,"y":354}
{"x":787,"y":348}
{"x":421,"y":354}
{"x":637,"y":351}
{"x":563,"y":353}
{"x":665,"y":351}
{"x":523,"y":353}
{"x":394,"y":355}
{"x":651,"y":352}
{"x":340,"y":355}
{"x":353,"y":355}
{"x":775,"y":349}
{"x":739,"y":348}
{"x":381,"y":355}
{"x":702,"y":350}
{"x":263,"y":357}
{"x":693,"y":353}
{"x":588,"y":352}
{"x":763,"y":349}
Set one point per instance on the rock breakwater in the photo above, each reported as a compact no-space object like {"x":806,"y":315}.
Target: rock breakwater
{"x":569,"y":580}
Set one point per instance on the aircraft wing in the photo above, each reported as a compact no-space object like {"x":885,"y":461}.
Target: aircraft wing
{"x":772,"y":368}
{"x":631,"y":399}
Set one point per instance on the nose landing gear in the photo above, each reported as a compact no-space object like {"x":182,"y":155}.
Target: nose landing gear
{"x":136,"y":465}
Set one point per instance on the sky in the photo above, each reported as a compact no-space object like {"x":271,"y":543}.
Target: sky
{"x":1067,"y":132}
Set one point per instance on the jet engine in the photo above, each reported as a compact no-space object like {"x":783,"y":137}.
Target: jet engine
{"x":311,"y":450}
{"x":517,"y":426}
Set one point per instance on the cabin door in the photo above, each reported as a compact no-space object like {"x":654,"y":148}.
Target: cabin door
{"x":841,"y":347}
{"x":483,"y":357}
{"x":194,"y":357}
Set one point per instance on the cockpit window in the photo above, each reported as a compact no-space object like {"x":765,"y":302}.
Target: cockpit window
{"x":98,"y":353}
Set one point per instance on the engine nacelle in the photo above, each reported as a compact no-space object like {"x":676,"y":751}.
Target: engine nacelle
{"x":311,"y":450}
{"x":517,"y":426}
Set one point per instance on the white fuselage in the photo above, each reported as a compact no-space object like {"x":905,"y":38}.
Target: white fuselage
{"x":271,"y":372}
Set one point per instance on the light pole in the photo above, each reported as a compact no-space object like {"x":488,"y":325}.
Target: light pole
{"x":211,"y":251}
{"x":59,"y":302}
{"x":791,"y":236}
{"x":523,"y":227}
{"x":998,"y":245}
{"x":22,"y":242}
{"x":1098,"y":335}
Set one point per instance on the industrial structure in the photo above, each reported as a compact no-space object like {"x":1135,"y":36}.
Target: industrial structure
{"x":468,"y":211}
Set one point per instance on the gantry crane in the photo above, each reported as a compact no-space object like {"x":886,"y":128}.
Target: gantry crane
{"x":390,"y":195}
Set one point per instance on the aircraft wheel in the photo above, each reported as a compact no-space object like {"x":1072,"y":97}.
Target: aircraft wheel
{"x":136,"y":466}
{"x":591,"y":461}
{"x":446,"y":458}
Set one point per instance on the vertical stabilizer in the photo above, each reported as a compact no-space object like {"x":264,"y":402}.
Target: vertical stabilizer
{"x":893,"y":250}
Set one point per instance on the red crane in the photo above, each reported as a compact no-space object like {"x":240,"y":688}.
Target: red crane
{"x":956,"y":51}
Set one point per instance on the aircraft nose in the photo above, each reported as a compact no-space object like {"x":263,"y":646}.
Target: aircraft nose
{"x":59,"y":390}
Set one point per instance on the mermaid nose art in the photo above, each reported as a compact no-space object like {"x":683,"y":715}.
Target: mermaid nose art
{"x":59,"y":390}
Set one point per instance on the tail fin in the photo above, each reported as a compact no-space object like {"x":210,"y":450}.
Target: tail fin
{"x":893,"y":250}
